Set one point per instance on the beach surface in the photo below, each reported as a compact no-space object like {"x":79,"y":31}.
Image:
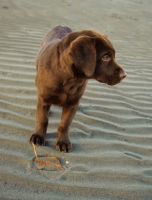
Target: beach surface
{"x":112,"y":129}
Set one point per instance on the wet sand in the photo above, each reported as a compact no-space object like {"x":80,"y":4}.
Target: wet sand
{"x":112,"y":130}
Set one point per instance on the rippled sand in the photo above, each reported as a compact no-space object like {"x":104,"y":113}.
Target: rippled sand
{"x":112,"y":130}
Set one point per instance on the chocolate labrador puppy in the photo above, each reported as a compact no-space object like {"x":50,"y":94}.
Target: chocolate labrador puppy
{"x":65,"y":62}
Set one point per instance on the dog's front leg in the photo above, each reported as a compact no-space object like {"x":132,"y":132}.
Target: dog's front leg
{"x":38,"y":137}
{"x":63,"y":141}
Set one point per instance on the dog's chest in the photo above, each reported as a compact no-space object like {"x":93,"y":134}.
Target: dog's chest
{"x":72,"y":87}
{"x":68,"y":93}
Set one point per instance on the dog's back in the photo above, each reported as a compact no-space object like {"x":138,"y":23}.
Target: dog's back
{"x":57,"y":32}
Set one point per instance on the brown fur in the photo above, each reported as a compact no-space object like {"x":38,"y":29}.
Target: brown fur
{"x":65,"y":61}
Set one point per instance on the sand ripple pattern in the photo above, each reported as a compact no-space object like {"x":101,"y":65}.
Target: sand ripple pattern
{"x":112,"y":130}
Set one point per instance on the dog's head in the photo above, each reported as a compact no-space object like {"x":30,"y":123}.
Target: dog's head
{"x":94,"y":55}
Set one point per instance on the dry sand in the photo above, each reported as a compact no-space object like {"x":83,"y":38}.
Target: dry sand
{"x":112,"y":130}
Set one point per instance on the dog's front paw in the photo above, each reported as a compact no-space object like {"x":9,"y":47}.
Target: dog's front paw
{"x":37,"y":139}
{"x":64,"y":145}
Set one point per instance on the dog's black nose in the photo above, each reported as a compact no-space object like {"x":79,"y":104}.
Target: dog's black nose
{"x":122,"y":75}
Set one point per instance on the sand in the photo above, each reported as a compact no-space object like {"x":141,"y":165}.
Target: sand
{"x":112,"y":130}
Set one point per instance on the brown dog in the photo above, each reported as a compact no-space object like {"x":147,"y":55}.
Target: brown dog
{"x":65,"y":62}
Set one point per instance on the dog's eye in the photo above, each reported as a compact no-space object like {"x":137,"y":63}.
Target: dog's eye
{"x":106,"y":57}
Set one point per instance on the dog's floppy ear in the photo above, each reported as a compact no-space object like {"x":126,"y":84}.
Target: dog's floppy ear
{"x":83,"y":53}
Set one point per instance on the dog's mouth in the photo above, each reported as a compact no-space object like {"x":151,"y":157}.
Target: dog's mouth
{"x":115,"y":79}
{"x":112,"y":79}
